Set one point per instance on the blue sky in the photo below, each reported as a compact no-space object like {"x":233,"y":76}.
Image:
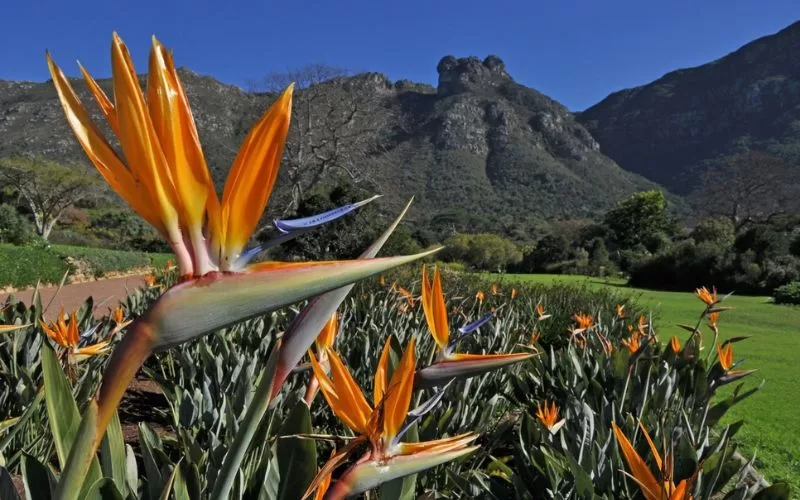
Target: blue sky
{"x":574,"y":51}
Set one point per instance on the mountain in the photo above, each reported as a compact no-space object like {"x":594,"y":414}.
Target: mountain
{"x":479,"y":151}
{"x":668,"y":130}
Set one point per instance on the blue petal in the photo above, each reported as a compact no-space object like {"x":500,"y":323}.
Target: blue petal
{"x":291,"y":225}
{"x":247,"y":256}
{"x":471,"y":327}
{"x":431,"y":403}
{"x":421,"y":410}
{"x":88,"y":333}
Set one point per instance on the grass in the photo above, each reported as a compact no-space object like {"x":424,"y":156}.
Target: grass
{"x":22,"y":266}
{"x":770,"y":415}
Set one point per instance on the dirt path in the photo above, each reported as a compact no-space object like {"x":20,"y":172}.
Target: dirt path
{"x":106,"y":293}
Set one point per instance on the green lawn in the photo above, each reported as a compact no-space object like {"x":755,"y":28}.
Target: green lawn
{"x":772,"y":416}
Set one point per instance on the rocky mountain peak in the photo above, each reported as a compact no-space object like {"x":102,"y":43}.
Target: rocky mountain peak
{"x":457,"y":75}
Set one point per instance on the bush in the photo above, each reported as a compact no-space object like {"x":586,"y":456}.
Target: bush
{"x":787,"y":294}
{"x":24,"y":266}
{"x":486,"y":252}
{"x":684,"y":266}
{"x":102,"y":261}
{"x":14,"y":228}
{"x":549,"y":250}
{"x":72,"y":237}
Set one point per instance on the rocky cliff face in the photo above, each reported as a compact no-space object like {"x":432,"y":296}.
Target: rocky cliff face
{"x":479,"y":151}
{"x":666,"y":130}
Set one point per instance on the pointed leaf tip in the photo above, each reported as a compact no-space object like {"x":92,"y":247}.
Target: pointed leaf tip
{"x":463,"y":366}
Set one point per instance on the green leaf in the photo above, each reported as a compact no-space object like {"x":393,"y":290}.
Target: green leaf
{"x":112,"y":455}
{"x":149,"y":442}
{"x":104,"y":489}
{"x":583,"y":483}
{"x":778,"y":491}
{"x":187,"y":482}
{"x":29,"y":412}
{"x":170,"y":481}
{"x":7,"y":489}
{"x":38,"y":479}
{"x":131,"y":469}
{"x":64,"y":418}
{"x":272,"y":478}
{"x":297,"y":458}
{"x":247,"y":429}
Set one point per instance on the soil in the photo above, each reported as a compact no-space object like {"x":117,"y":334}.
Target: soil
{"x":106,"y":293}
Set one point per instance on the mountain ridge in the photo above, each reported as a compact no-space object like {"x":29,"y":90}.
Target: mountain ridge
{"x":668,"y":130}
{"x":479,"y":151}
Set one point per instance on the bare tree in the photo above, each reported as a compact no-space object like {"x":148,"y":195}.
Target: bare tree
{"x":336,"y":124}
{"x":48,"y":188}
{"x":748,"y":187}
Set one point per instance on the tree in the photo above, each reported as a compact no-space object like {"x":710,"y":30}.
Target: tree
{"x":748,"y":187}
{"x":638,"y":219}
{"x":714,"y":230}
{"x":46,"y":187}
{"x":336,"y":124}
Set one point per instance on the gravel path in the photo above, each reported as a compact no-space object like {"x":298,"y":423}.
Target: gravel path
{"x":106,"y":292}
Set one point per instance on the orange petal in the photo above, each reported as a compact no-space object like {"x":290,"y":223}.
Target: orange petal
{"x":72,"y":330}
{"x":641,"y":472}
{"x":438,"y":445}
{"x":320,"y":373}
{"x":680,"y":491}
{"x":94,"y":350}
{"x":382,"y":374}
{"x":335,"y":401}
{"x":105,"y":104}
{"x":177,"y":135}
{"x":653,"y":448}
{"x":101,"y":154}
{"x":325,"y":480}
{"x":434,"y":307}
{"x":343,"y":394}
{"x":399,"y":392}
{"x":328,"y":334}
{"x":139,"y":140}
{"x":50,"y":332}
{"x":253,"y":176}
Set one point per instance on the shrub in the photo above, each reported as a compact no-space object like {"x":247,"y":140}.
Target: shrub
{"x":787,"y":294}
{"x":14,"y":228}
{"x":102,"y":261}
{"x":549,"y":250}
{"x":22,"y":266}
{"x":485,"y":251}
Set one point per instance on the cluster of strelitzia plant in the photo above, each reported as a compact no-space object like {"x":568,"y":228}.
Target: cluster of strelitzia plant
{"x":161,"y":173}
{"x":554,"y":405}
{"x":630,"y":403}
